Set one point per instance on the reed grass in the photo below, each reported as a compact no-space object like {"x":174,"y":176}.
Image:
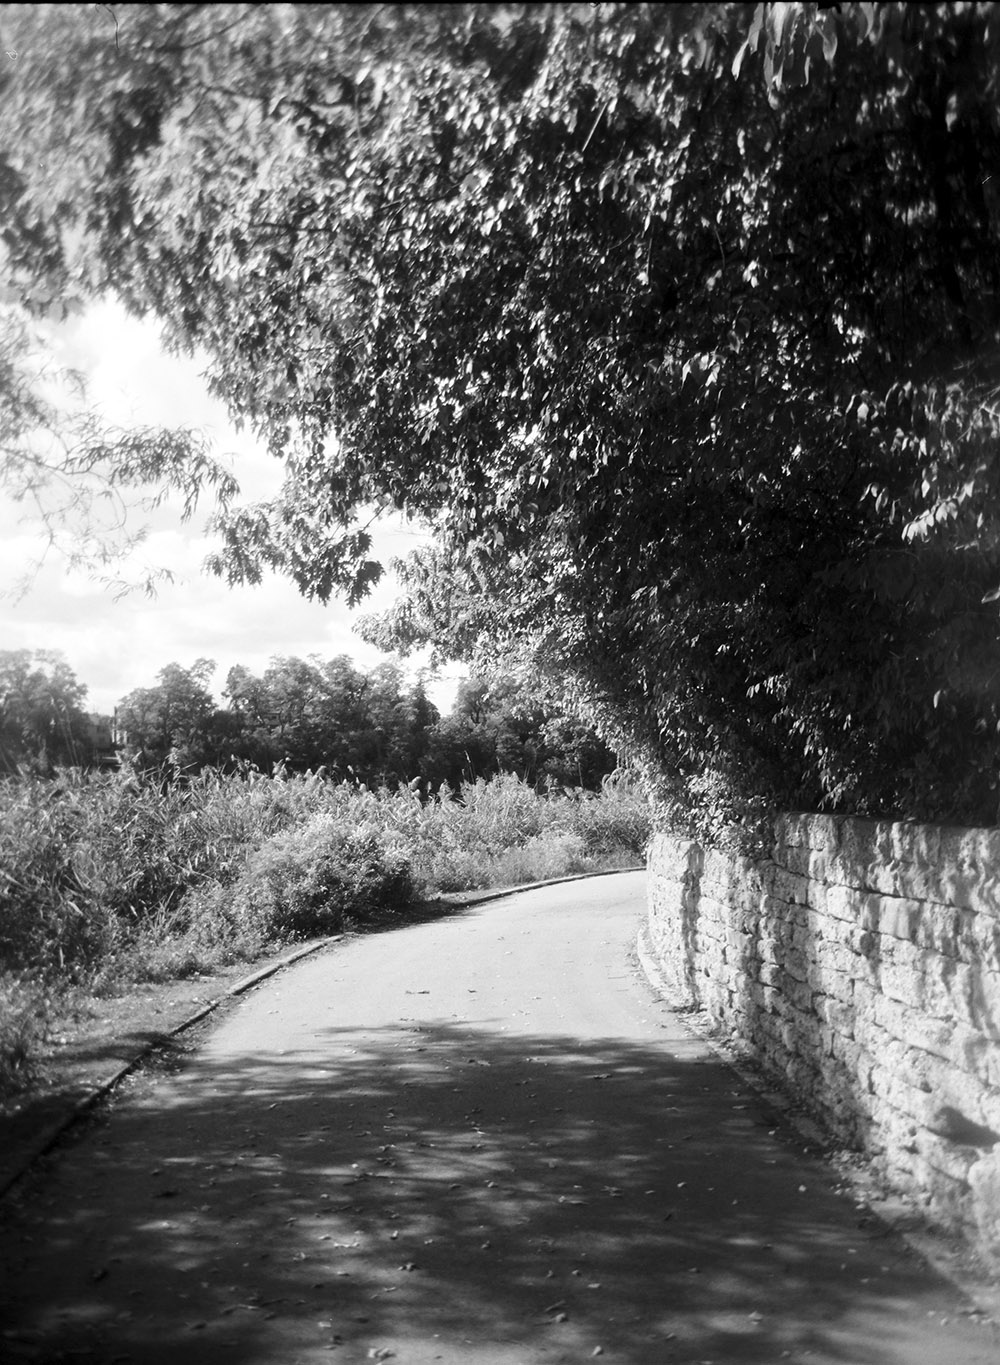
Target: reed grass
{"x":108,"y":880}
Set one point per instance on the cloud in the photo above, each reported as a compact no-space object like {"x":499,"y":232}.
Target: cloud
{"x":114,"y":645}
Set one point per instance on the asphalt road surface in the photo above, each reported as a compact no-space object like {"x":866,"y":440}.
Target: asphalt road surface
{"x":482,"y":1139}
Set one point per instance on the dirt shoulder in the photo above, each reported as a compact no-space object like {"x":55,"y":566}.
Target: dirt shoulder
{"x":93,"y":1040}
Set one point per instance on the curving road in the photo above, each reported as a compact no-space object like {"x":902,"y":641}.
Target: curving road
{"x":481,"y":1139}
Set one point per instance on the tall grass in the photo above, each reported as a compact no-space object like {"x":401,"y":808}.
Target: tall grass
{"x":108,"y":880}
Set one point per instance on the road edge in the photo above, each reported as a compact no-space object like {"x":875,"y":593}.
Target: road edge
{"x":51,"y":1134}
{"x":961,"y":1270}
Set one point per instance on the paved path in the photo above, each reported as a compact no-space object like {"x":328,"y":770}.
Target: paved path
{"x":479,"y":1140}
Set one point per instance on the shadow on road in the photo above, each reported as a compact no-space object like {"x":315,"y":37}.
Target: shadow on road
{"x":434,"y":1188}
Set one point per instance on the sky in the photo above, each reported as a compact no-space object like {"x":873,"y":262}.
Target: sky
{"x":114,"y":645}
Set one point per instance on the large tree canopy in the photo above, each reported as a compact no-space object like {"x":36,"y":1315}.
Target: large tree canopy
{"x":680,"y":323}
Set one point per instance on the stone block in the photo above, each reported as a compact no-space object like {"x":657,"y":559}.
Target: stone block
{"x":837,"y":959}
{"x":799,"y":995}
{"x":897,"y":1129}
{"x":898,"y":918}
{"x":978,"y":939}
{"x":775,"y":1002}
{"x":795,"y":967}
{"x":987,"y":1106}
{"x":983,"y":1176}
{"x":846,"y":903}
{"x":790,"y":887}
{"x":977,"y":1054}
{"x":835,"y":1014}
{"x":944,"y":1157}
{"x":899,"y":1020}
{"x":802,"y":1033}
{"x":819,"y":832}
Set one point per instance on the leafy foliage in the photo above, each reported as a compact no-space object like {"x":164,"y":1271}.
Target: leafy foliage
{"x":174,"y":723}
{"x":307,"y":713}
{"x":78,"y":482}
{"x":42,"y":721}
{"x":311,"y":880}
{"x":679,"y":322}
{"x":96,"y":870}
{"x":26,"y":1008}
{"x":374,"y":728}
{"x":502,"y":724}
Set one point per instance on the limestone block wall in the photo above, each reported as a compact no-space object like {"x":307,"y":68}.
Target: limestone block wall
{"x":860,"y":966}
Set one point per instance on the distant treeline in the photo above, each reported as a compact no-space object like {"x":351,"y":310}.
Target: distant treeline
{"x":376,"y":728}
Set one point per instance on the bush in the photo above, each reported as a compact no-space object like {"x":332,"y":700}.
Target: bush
{"x":614,"y":825}
{"x":113,"y":878}
{"x":306,"y":881}
{"x":49,"y":920}
{"x":25,"y":1012}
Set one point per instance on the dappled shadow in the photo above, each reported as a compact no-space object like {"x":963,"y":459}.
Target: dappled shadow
{"x":450,"y":1192}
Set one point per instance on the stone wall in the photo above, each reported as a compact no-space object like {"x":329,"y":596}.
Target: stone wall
{"x":860,"y":966}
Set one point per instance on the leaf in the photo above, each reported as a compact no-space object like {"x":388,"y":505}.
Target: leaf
{"x":779,"y":15}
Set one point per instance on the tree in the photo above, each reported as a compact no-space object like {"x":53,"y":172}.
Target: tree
{"x":175,"y":724}
{"x":42,"y":721}
{"x":680,"y":323}
{"x":509,"y":724}
{"x":401,"y":723}
{"x":301,"y":713}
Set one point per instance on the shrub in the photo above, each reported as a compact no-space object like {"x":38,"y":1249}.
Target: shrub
{"x":25,"y":1011}
{"x":113,"y":878}
{"x":617,"y":822}
{"x":49,"y":920}
{"x":309,"y":880}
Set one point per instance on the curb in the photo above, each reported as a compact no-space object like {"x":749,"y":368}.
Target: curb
{"x":50,"y":1135}
{"x":458,"y":900}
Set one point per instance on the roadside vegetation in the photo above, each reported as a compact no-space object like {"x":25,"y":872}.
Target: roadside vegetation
{"x":678,"y":326}
{"x":107,"y":880}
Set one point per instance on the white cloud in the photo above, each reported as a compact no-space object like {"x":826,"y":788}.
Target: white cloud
{"x":113,"y":645}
